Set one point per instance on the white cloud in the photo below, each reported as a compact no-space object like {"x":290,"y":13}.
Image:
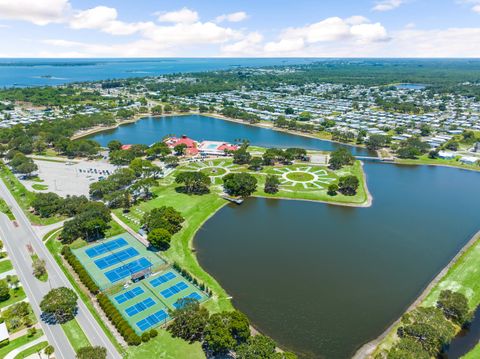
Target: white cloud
{"x":475,"y":4}
{"x":39,"y":12}
{"x":387,"y":5}
{"x":354,"y":30}
{"x":233,"y":17}
{"x":105,"y":19}
{"x":251,"y":44}
{"x":184,"y":16}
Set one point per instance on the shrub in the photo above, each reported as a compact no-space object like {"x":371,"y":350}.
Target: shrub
{"x":153,"y":333}
{"x":145,"y":337}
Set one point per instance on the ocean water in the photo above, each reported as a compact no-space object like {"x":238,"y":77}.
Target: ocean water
{"x":42,"y":72}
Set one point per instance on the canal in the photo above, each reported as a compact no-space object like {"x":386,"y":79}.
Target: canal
{"x":321,"y":279}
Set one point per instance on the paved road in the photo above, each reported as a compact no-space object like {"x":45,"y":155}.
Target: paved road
{"x":16,"y":240}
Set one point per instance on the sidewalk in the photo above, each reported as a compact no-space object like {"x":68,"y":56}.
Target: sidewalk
{"x":14,"y":352}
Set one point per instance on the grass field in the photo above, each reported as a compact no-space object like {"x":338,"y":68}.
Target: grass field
{"x":75,"y":335}
{"x":16,"y":295}
{"x":425,"y":160}
{"x":4,"y":208}
{"x":5,"y":265}
{"x":164,"y":346}
{"x":473,"y":354}
{"x":32,"y":350}
{"x":19,"y":342}
{"x":40,"y":187}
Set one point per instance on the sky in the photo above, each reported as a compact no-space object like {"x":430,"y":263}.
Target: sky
{"x":234,"y":28}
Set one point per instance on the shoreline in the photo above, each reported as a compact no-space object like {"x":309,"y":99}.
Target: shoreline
{"x":369,"y":348}
{"x":396,"y":161}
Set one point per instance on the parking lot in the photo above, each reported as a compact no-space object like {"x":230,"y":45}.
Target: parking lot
{"x":70,"y":178}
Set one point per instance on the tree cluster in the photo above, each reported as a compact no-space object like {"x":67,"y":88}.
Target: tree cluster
{"x":225,"y":333}
{"x":161,"y":223}
{"x":89,"y":224}
{"x":50,"y":204}
{"x":339,"y":158}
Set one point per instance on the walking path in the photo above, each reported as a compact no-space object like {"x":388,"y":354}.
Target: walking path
{"x":14,"y":352}
{"x":8,"y":272}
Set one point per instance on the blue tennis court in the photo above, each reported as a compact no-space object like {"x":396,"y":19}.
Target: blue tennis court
{"x":122,"y":298}
{"x":135,"y":266}
{"x":179,"y":303}
{"x":140,"y":307}
{"x":152,"y":320}
{"x":106,"y":247}
{"x":174,"y":289}
{"x":115,"y":258}
{"x":164,"y":278}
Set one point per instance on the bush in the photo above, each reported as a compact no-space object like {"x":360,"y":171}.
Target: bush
{"x":153,"y":333}
{"x":118,"y":321}
{"x":145,"y":337}
{"x":80,"y":270}
{"x":31,"y":331}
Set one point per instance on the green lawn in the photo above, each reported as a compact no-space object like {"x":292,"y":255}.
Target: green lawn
{"x":32,"y":350}
{"x":462,"y":277}
{"x":473,"y":354}
{"x":425,"y":160}
{"x":164,"y":346}
{"x":23,"y":196}
{"x":75,"y":335}
{"x":5,"y":265}
{"x":4,"y":208}
{"x":19,"y":342}
{"x":40,"y":187}
{"x":16,"y":295}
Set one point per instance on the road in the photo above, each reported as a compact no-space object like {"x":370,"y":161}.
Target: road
{"x":16,"y":239}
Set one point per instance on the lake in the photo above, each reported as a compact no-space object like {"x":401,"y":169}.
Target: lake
{"x":42,"y":72}
{"x":321,"y":279}
{"x":152,"y":129}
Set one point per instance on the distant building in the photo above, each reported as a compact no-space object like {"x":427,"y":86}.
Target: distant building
{"x":469,"y":160}
{"x":184,"y":140}
{"x":216,"y":148}
{"x":446,"y":155}
{"x":477,"y":147}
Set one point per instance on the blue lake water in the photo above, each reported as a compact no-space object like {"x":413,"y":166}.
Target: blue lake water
{"x":41,"y":72}
{"x":152,"y":129}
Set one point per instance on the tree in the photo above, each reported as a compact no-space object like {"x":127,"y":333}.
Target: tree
{"x":256,"y":164}
{"x":159,"y":238}
{"x":60,"y":304}
{"x":4,"y":291}
{"x":190,"y":321}
{"x":157,"y":110}
{"x":114,"y":145}
{"x":454,"y":306}
{"x":39,"y":268}
{"x":375,"y":142}
{"x":218,"y":337}
{"x":408,"y":348}
{"x":429,"y":327}
{"x":340,"y":157}
{"x":180,"y":149}
{"x":89,"y":352}
{"x":49,"y":350}
{"x":332,"y":189}
{"x":240,"y":184}
{"x":194,"y":182}
{"x":256,"y":347}
{"x":47,"y":204}
{"x":271,"y":184}
{"x":241,"y":157}
{"x":163,"y":217}
{"x":348,"y":185}
{"x":171,"y":161}
{"x":91,"y":222}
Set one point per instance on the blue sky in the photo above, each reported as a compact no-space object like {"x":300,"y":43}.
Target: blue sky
{"x":247,"y":28}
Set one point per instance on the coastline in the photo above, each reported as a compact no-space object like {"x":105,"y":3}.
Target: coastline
{"x":373,"y":346}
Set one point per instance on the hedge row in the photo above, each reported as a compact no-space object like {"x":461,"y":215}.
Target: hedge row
{"x":117,"y":319}
{"x":80,"y":270}
{"x":192,"y":279}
